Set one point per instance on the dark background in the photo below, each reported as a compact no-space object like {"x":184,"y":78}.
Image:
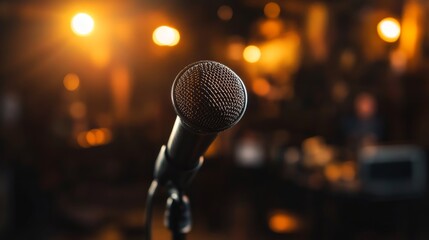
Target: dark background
{"x":77,"y":164}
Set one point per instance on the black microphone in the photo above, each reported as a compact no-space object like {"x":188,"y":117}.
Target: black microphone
{"x":208,"y":97}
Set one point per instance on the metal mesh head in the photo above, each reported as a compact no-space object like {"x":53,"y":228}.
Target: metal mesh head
{"x":209,"y":97}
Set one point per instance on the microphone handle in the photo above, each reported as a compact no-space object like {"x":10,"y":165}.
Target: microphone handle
{"x":179,"y":161}
{"x":167,"y":174}
{"x":185,"y":147}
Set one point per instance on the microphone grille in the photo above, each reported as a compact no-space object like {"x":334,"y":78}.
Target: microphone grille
{"x":209,"y":97}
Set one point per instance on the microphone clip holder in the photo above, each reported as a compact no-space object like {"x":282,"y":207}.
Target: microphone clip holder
{"x":178,"y":217}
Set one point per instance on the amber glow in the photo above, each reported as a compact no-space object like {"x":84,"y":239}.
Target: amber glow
{"x":235,"y":49}
{"x":166,"y":36}
{"x":332,"y":172}
{"x":316,"y":30}
{"x":272,"y":10}
{"x":121,"y":91}
{"x":82,"y":24}
{"x":100,"y":55}
{"x":71,"y":82}
{"x":251,"y":54}
{"x":345,"y":171}
{"x":389,"y":29}
{"x":225,"y":12}
{"x":94,"y":137}
{"x":271,"y":28}
{"x":91,"y":138}
{"x":348,"y":170}
{"x":398,"y":60}
{"x":261,"y":87}
{"x":283,"y":222}
{"x":413,"y":23}
{"x":77,"y":110}
{"x":281,"y":55}
{"x":81,"y":140}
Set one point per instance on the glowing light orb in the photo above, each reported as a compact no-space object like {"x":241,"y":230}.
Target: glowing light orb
{"x":272,"y":10}
{"x":166,"y":36}
{"x":389,"y":29}
{"x":82,"y":24}
{"x":71,"y":82}
{"x":251,"y":54}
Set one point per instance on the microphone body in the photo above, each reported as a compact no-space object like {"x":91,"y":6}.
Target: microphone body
{"x":208,"y":98}
{"x":186,"y":146}
{"x":181,"y":158}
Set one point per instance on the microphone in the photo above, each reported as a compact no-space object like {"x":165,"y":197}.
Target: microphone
{"x":208,"y":97}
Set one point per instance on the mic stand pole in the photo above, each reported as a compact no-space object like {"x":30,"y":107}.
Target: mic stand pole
{"x":177,"y":216}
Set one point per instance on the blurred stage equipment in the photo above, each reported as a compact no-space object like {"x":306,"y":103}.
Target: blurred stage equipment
{"x":392,"y":171}
{"x":208,"y":98}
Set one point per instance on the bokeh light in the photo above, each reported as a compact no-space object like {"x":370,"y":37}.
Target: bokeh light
{"x":271,"y":28}
{"x":225,"y":13}
{"x":94,"y":137}
{"x":261,"y":87}
{"x":332,"y":172}
{"x":272,"y":10}
{"x":77,"y":110}
{"x":389,"y":29}
{"x":283,"y":222}
{"x":71,"y":82}
{"x":166,"y":36}
{"x":235,"y":49}
{"x":251,"y":54}
{"x":81,"y":140}
{"x":82,"y":24}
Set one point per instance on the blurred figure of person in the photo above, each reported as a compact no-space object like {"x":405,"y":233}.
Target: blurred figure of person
{"x":364,"y":127}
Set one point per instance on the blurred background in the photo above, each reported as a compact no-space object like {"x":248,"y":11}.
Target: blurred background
{"x":333,"y":144}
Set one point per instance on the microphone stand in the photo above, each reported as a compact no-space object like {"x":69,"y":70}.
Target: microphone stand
{"x":177,"y":217}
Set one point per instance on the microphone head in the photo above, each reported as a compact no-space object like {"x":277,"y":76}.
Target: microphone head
{"x":209,"y":97}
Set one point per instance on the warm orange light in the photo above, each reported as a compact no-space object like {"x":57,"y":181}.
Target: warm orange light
{"x":281,"y":54}
{"x":166,"y":36}
{"x":251,"y":54}
{"x":91,"y":138}
{"x":77,"y":110}
{"x":282,"y":222}
{"x":94,"y":137}
{"x":261,"y":87}
{"x":71,"y":81}
{"x":271,"y":28}
{"x":332,"y":172}
{"x":235,"y":49}
{"x":121,"y":85}
{"x":317,"y":30}
{"x":389,"y":29}
{"x":272,"y":10}
{"x":107,"y":134}
{"x":413,"y":32}
{"x":81,"y":140}
{"x":348,"y":171}
{"x":225,"y":12}
{"x":398,"y":60}
{"x":100,"y":55}
{"x":82,"y":24}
